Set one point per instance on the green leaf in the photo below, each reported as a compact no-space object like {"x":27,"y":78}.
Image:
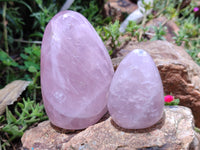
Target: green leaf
{"x":29,"y":64}
{"x":20,"y":105}
{"x":24,"y":56}
{"x":7,"y":60}
{"x":27,"y":113}
{"x":197,"y":129}
{"x":2,"y":118}
{"x":12,"y":130}
{"x":9,"y":116}
{"x":32,"y":69}
{"x":174,"y":102}
{"x":28,"y":50}
{"x":36,"y":52}
{"x":36,"y":34}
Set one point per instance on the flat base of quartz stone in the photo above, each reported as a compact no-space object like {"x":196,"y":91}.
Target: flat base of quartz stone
{"x":62,"y":130}
{"x":158,"y":125}
{"x":66,"y":131}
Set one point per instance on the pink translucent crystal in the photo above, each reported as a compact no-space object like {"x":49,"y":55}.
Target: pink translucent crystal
{"x":76,"y":72}
{"x":136,"y":98}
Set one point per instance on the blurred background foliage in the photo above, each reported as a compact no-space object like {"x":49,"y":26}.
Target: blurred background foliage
{"x":22,"y":24}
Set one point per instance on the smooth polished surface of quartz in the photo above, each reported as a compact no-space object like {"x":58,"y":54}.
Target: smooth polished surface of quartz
{"x":76,"y":72}
{"x":136,"y":98}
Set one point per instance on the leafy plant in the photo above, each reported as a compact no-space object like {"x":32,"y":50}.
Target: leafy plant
{"x":6,"y":65}
{"x":169,"y":8}
{"x":31,"y":59}
{"x":171,"y":11}
{"x":136,"y":30}
{"x":169,"y":100}
{"x":147,"y":6}
{"x":143,"y":29}
{"x":25,"y":114}
{"x":12,"y":22}
{"x":133,"y":28}
{"x":43,"y":16}
{"x":190,"y":26}
{"x":6,"y":60}
{"x":195,"y":51}
{"x":91,"y":10}
{"x":174,"y":102}
{"x":111,"y":32}
{"x":180,"y":38}
{"x":197,"y":130}
{"x":159,"y":33}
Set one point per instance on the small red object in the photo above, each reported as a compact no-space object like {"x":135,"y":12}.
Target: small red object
{"x":169,"y":98}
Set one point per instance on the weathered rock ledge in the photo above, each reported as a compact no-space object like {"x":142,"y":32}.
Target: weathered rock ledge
{"x":175,"y":131}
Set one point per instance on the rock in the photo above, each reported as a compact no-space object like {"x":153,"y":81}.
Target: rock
{"x":171,"y":27}
{"x":76,"y":72}
{"x":176,"y":132}
{"x":11,"y":92}
{"x":136,"y":97}
{"x":198,"y":55}
{"x":117,"y":9}
{"x":173,"y":131}
{"x":45,"y":136}
{"x":179,"y":73}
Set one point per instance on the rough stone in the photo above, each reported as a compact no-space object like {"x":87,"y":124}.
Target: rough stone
{"x":174,"y":131}
{"x":179,"y":73}
{"x":170,"y":30}
{"x":11,"y":92}
{"x":136,"y":97}
{"x":117,"y":9}
{"x":76,"y":71}
{"x":45,"y":136}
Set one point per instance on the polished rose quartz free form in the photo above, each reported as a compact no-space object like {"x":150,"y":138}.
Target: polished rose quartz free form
{"x":76,"y":72}
{"x":136,"y":98}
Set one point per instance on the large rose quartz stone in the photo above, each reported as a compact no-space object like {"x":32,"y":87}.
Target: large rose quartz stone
{"x":136,"y":98}
{"x":76,"y":72}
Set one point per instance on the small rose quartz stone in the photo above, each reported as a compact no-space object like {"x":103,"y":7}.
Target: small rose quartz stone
{"x":136,"y":98}
{"x":76,"y":72}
